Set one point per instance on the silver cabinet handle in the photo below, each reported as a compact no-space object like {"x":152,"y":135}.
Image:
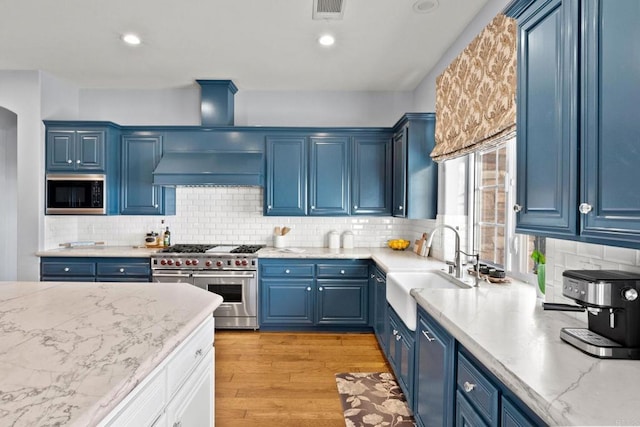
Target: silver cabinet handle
{"x":308,"y":288}
{"x":398,"y":337}
{"x":122,"y":270}
{"x":426,"y":335}
{"x":287,"y":271}
{"x":395,"y":332}
{"x":585,"y":208}
{"x":468,"y":387}
{"x":67,"y":269}
{"x":78,"y":162}
{"x":341,"y":271}
{"x":517,"y":208}
{"x":69,"y":161}
{"x":320,"y":289}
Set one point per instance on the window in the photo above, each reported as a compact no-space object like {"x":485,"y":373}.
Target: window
{"x":492,"y":221}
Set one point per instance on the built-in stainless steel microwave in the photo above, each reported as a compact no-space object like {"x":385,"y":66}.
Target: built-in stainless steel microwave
{"x":83,"y":194}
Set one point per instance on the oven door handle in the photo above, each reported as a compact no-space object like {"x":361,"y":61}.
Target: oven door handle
{"x":225,"y":276}
{"x":170,"y":275}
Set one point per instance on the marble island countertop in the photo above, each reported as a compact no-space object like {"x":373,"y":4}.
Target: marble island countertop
{"x":505,"y":328}
{"x":71,"y":352}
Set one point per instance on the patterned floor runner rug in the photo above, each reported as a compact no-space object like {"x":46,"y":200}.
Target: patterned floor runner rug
{"x":373,"y":399}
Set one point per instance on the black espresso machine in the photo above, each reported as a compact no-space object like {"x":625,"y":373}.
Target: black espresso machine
{"x":612,"y":300}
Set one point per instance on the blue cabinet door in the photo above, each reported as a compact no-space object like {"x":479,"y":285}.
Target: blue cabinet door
{"x":380,"y":323}
{"x":329,"y":176}
{"x":342,"y":302}
{"x":610,"y":125}
{"x":75,"y":150}
{"x":287,"y":302}
{"x":513,"y":417}
{"x":401,"y":354}
{"x":434,"y":373}
{"x":286,"y":183}
{"x":547,"y":138}
{"x":466,"y":416}
{"x":400,"y":173}
{"x":140,"y":156}
{"x":371,"y":176}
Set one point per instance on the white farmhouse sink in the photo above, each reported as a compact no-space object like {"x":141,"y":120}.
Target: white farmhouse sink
{"x":400,"y":284}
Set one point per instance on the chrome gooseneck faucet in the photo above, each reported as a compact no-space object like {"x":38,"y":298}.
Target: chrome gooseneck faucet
{"x":457,"y":265}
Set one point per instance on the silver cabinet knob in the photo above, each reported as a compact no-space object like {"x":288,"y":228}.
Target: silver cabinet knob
{"x":313,"y":207}
{"x":468,"y":387}
{"x":373,"y":276}
{"x":78,"y":161}
{"x":287,"y":271}
{"x":630,"y":294}
{"x":341,"y":271}
{"x":122,"y":270}
{"x":585,"y":208}
{"x":355,"y":206}
{"x":400,"y":207}
{"x":67,"y":269}
{"x":398,"y":337}
{"x":517,"y":208}
{"x":177,"y":424}
{"x":320,"y":288}
{"x":155,"y":206}
{"x":69,"y":161}
{"x":198,"y":352}
{"x":395,"y":332}
{"x":308,"y":288}
{"x":269,"y":207}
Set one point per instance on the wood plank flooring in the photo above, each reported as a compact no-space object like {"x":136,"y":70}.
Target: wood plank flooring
{"x":287,"y":379}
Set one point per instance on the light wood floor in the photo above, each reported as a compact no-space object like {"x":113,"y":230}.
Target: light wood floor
{"x":287,"y":379}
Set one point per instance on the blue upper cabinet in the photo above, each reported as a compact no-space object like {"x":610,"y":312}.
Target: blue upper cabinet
{"x":578,"y":130}
{"x":415,"y":175}
{"x":74,"y":150}
{"x":610,"y":125}
{"x":547,"y":115}
{"x":286,"y":183}
{"x":370,"y":177}
{"x":329,"y":176}
{"x":140,"y":155}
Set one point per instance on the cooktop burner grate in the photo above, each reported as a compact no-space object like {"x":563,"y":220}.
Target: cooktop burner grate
{"x":201,"y":248}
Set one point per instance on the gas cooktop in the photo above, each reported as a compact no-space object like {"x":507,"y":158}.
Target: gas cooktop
{"x":211,"y":249}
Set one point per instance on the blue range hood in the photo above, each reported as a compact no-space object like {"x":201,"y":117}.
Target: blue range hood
{"x":209,"y":168}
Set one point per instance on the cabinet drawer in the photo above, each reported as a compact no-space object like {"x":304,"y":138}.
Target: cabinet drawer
{"x":299,"y":270}
{"x":342,"y":271}
{"x":477,"y":389}
{"x":55,"y":268}
{"x":188,"y":355}
{"x":133,"y":269}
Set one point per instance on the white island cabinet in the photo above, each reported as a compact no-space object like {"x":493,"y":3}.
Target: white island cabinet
{"x":179,"y":392}
{"x":106,"y":354}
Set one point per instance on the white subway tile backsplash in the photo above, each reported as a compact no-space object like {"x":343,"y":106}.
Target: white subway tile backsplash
{"x":620,"y":255}
{"x":590,"y":250}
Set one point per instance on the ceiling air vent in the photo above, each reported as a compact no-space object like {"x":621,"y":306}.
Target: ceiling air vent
{"x":328,"y":9}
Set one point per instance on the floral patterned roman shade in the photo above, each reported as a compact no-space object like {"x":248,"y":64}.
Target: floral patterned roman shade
{"x":475,"y":95}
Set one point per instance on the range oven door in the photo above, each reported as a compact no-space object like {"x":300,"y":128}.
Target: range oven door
{"x":172,"y":276}
{"x":239,"y":290}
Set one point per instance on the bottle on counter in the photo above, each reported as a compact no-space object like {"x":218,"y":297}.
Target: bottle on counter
{"x":167,"y":237}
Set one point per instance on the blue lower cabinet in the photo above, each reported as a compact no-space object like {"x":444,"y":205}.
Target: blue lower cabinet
{"x":311,"y":294}
{"x":380,"y":316}
{"x":466,"y":416}
{"x":401,"y":353}
{"x":343,"y":302}
{"x":512,"y":416}
{"x":434,"y":373}
{"x":287,"y":301}
{"x":92,"y":269}
{"x":478,"y":389}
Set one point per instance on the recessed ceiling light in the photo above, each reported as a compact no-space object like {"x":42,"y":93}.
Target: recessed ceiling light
{"x":327,"y":40}
{"x":131,"y":39}
{"x":425,"y":6}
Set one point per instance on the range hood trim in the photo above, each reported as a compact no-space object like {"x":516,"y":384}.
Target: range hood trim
{"x":209,"y":168}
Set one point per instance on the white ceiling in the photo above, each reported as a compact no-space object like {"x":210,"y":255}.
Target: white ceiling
{"x":259,"y":44}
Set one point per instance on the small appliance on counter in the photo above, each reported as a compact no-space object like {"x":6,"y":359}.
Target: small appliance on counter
{"x":611,"y":299}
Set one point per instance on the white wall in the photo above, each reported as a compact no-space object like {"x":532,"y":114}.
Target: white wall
{"x":252,"y":108}
{"x":20,"y":93}
{"x":9,"y":186}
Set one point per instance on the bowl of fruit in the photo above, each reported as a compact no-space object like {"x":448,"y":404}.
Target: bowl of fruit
{"x":398,"y":244}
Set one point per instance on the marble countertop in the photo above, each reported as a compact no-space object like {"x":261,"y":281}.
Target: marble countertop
{"x":99,"y":251}
{"x":71,"y":352}
{"x":506,"y":329}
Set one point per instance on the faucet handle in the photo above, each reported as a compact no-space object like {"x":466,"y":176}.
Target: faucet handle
{"x":451,"y":266}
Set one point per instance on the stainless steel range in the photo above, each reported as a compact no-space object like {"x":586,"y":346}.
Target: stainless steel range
{"x":230,"y":271}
